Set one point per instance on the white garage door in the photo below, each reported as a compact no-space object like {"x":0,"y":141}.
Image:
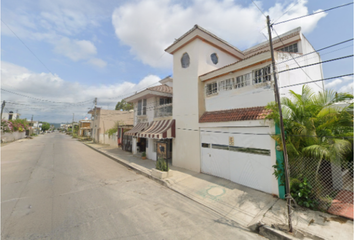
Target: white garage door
{"x":247,"y":161}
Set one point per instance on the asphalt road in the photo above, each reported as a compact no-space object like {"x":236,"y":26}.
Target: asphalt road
{"x":54,"y":187}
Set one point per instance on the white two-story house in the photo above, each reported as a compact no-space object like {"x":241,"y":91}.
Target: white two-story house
{"x":153,"y":122}
{"x":219,"y":99}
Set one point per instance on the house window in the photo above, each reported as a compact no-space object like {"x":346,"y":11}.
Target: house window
{"x":226,"y":84}
{"x":262,"y":75}
{"x":220,"y":146}
{"x":139,"y":107}
{"x":205,"y":145}
{"x":185,"y":60}
{"x":214,"y":58}
{"x":291,"y":48}
{"x":164,"y":101}
{"x":142,"y":107}
{"x":211,"y":88}
{"x":242,"y":81}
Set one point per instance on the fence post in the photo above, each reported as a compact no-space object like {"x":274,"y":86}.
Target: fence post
{"x":280,"y":162}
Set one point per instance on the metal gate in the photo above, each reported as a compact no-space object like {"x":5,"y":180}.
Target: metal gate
{"x":127,"y":143}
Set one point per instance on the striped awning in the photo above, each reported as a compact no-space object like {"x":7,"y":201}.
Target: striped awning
{"x":137,"y":129}
{"x":161,"y":129}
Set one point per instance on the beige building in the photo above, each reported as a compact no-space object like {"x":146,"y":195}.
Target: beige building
{"x":84,"y":128}
{"x":103,"y":120}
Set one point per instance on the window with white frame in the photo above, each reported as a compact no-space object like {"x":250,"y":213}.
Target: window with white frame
{"x":142,"y":107}
{"x":226,"y":84}
{"x":291,"y":48}
{"x":262,"y":75}
{"x":211,"y":88}
{"x":242,"y":81}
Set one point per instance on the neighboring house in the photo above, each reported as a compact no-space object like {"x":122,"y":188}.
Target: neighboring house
{"x":10,"y":115}
{"x":153,"y":120}
{"x":84,"y":128}
{"x":103,"y":120}
{"x":218,"y":103}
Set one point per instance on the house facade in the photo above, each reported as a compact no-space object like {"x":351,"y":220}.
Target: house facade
{"x":10,"y":115}
{"x":84,"y":128}
{"x":218,"y":103}
{"x":103,"y":120}
{"x":153,"y":122}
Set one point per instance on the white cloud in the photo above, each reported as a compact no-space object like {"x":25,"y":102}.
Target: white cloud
{"x":334,"y":83}
{"x":347,"y":88}
{"x":150,"y":26}
{"x":51,"y":87}
{"x":341,"y":84}
{"x":75,"y":49}
{"x":97,"y":62}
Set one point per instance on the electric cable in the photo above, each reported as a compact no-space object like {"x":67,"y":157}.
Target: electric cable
{"x":326,"y":10}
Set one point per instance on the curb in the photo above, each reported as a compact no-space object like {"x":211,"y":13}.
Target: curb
{"x":163,"y":183}
{"x":263,"y":230}
{"x":129,"y":166}
{"x":272,"y":233}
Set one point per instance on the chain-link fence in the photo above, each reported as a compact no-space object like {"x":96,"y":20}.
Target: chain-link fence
{"x":322,"y":185}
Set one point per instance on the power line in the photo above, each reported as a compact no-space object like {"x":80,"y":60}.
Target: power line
{"x":285,"y":12}
{"x":294,"y":58}
{"x":333,"y":45}
{"x":260,"y":134}
{"x":324,"y":79}
{"x":43,"y":100}
{"x":326,"y":10}
{"x":26,"y":46}
{"x":330,"y":60}
{"x":259,"y":8}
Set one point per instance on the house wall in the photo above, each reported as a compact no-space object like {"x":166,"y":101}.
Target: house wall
{"x":149,"y":117}
{"x":249,"y":96}
{"x":252,"y":170}
{"x":106,"y":119}
{"x":299,"y":75}
{"x":12,"y":136}
{"x":188,"y":101}
{"x":111,"y":141}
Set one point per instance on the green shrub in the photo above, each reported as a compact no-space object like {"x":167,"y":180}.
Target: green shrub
{"x":301,"y":191}
{"x":111,"y":131}
{"x":74,"y":135}
{"x":143,"y":154}
{"x":161,"y":165}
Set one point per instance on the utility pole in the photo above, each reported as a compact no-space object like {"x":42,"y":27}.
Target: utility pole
{"x":72,"y":125}
{"x":2,"y":107}
{"x":277,"y":99}
{"x":94,"y":120}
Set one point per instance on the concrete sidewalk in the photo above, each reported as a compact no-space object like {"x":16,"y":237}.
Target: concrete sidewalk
{"x":256,"y":210}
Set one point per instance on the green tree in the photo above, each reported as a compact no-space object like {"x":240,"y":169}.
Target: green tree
{"x":315,"y":126}
{"x":123,"y":105}
{"x":45,"y":126}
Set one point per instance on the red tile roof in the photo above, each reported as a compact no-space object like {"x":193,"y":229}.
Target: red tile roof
{"x":161,"y":88}
{"x":239,"y":114}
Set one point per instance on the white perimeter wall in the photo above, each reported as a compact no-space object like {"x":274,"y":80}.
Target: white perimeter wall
{"x":12,"y":136}
{"x":112,"y":141}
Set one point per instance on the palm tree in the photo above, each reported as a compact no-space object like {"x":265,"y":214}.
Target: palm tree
{"x":315,"y":127}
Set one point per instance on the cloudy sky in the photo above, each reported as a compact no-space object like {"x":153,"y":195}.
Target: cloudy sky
{"x":58,"y":55}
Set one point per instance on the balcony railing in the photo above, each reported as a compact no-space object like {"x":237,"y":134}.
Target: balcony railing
{"x":163,"y":110}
